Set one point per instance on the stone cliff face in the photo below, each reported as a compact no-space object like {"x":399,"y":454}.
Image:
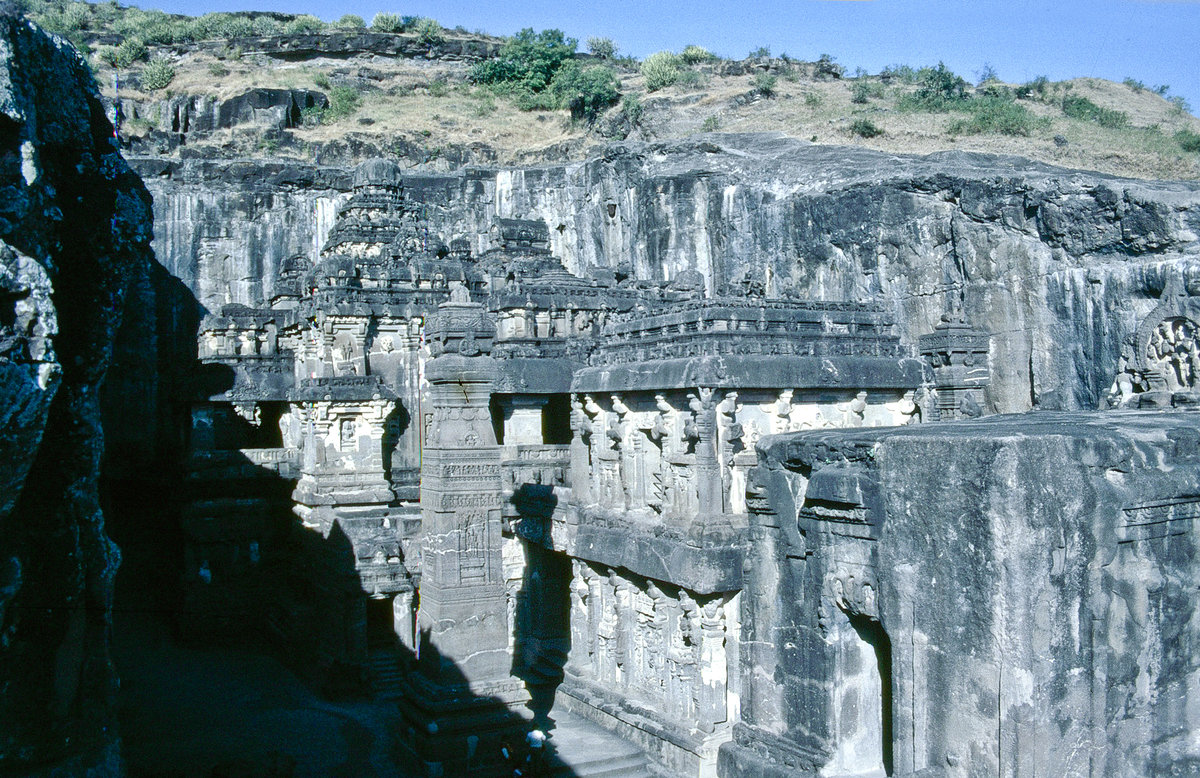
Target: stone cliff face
{"x":1058,"y":265}
{"x":74,"y":223}
{"x":1012,"y":599}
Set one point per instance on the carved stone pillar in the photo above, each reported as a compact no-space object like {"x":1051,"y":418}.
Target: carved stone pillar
{"x":463,"y":686}
{"x":581,"y":460}
{"x":595,"y":605}
{"x":708,"y":469}
{"x":402,"y":620}
{"x":623,"y":628}
{"x":713,"y":667}
{"x":463,"y":620}
{"x":580,"y":657}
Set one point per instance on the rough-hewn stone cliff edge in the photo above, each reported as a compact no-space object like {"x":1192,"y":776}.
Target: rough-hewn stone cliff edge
{"x":74,"y":223}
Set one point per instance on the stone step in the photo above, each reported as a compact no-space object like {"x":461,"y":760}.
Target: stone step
{"x":582,"y":749}
{"x":607,"y":767}
{"x":386,"y":677}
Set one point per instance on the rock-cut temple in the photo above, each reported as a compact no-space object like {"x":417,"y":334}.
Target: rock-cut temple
{"x":721,"y":521}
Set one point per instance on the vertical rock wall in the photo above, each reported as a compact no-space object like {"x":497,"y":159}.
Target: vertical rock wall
{"x":74,"y":224}
{"x":1018,"y":592}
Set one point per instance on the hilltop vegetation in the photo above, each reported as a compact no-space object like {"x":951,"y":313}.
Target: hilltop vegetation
{"x":441,"y":97}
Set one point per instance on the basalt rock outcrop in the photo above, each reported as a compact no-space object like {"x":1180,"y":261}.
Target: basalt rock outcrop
{"x":74,"y":225}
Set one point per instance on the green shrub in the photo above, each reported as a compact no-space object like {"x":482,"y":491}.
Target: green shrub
{"x":216,"y":25}
{"x":865,"y":128}
{"x":1188,"y":140}
{"x":586,"y":92}
{"x":694,"y":55}
{"x":76,"y":16}
{"x":165,"y":32}
{"x":825,"y":67}
{"x":385,"y":22}
{"x":632,"y":107}
{"x":238,"y":27}
{"x":1038,"y":87}
{"x":1085,"y":110}
{"x":764,"y":84}
{"x":812,"y":99}
{"x":604,"y":48}
{"x":986,"y":75}
{"x":343,"y":102}
{"x":429,"y":32}
{"x":350,"y":22}
{"x":938,"y":89}
{"x":661,"y":69}
{"x":1134,"y":84}
{"x":692,"y":79}
{"x":107,"y":55}
{"x":267,"y":26}
{"x":864,"y":90}
{"x":322,"y":81}
{"x":1179,"y":105}
{"x":310,"y":116}
{"x":304,"y":24}
{"x":762,"y":52}
{"x":436,"y":88}
{"x":130,"y":51}
{"x":711,"y":124}
{"x":134,"y":21}
{"x":996,"y":115}
{"x":526,"y":62}
{"x":534,"y":101}
{"x":218,"y":70}
{"x":157,"y":75}
{"x":902,"y":73}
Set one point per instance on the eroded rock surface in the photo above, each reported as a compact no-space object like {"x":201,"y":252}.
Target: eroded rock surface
{"x":74,"y":223}
{"x":1011,"y":596}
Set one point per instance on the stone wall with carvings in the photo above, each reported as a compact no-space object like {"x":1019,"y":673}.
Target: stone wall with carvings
{"x":656,"y":658}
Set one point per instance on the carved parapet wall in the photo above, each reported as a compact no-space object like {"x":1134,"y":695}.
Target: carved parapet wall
{"x":915,"y":596}
{"x":654,"y":661}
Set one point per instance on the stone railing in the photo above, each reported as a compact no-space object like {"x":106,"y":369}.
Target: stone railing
{"x":244,"y":463}
{"x":536,"y":479}
{"x":775,"y":328}
{"x":539,"y":465}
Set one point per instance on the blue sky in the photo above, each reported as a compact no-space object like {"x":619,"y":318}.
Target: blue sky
{"x":1157,"y":42}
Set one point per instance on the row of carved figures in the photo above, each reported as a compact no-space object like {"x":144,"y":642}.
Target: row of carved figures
{"x":653,"y":642}
{"x":644,"y":452}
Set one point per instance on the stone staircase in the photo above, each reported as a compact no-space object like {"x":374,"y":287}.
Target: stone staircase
{"x":384,"y":675}
{"x":582,"y":749}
